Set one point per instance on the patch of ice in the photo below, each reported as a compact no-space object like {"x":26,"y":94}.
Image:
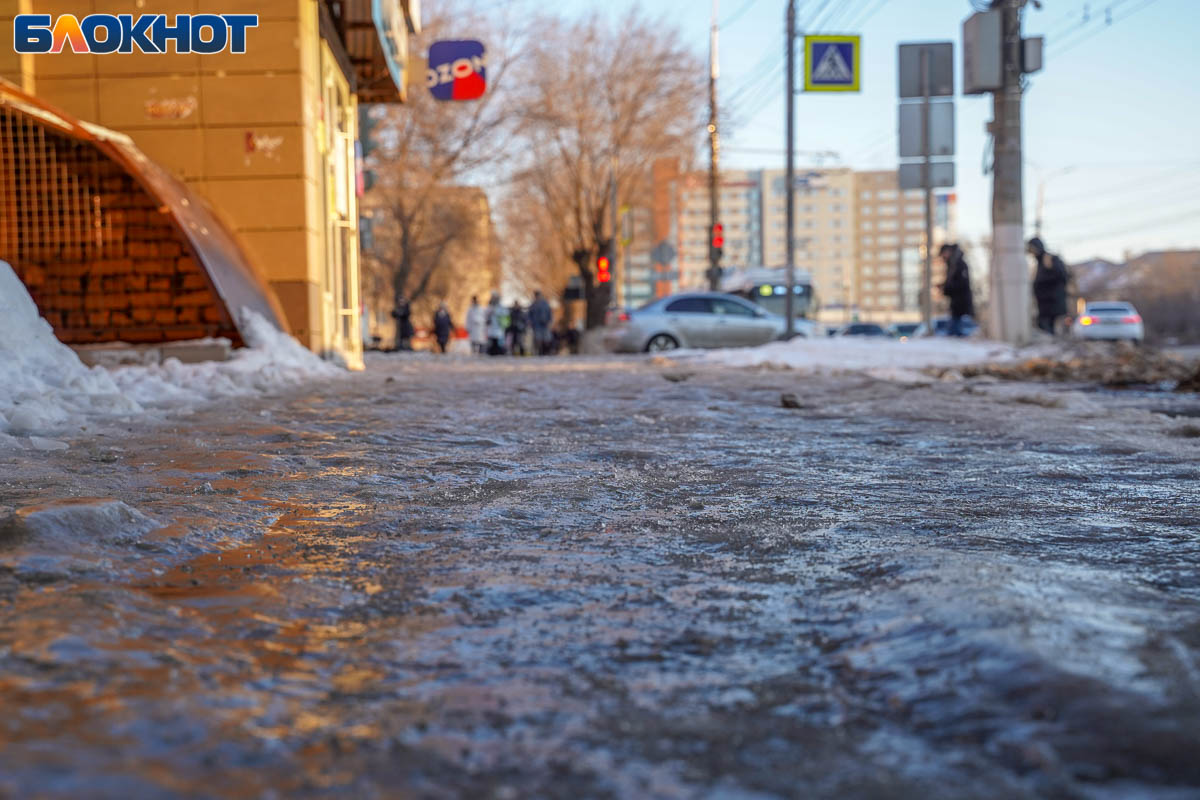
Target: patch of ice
{"x":70,"y":524}
{"x":47,"y":445}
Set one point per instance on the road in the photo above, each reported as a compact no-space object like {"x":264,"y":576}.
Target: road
{"x":610,"y":578}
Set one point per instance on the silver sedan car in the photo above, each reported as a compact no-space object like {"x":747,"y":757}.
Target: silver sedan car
{"x":1112,"y":321}
{"x":692,"y":319}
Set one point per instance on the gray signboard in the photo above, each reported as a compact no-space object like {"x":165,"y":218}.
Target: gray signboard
{"x":941,"y":69}
{"x":941,"y":129}
{"x":941,"y":173}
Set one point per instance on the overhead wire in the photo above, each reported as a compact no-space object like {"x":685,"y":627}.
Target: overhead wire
{"x":1071,"y":45}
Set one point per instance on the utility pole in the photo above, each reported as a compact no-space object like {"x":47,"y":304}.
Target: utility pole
{"x":927,"y":179}
{"x":714,"y":142}
{"x":1010,"y":279}
{"x":790,"y":177}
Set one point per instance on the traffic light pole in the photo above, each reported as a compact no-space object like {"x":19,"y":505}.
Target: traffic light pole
{"x":714,"y":143}
{"x":612,"y":242}
{"x":790,"y":178}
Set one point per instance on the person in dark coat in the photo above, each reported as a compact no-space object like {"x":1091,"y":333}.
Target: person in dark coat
{"x":402,"y":313}
{"x":443,"y":326}
{"x":1049,"y":286}
{"x":516,"y":329}
{"x":540,"y":317}
{"x":957,"y":287}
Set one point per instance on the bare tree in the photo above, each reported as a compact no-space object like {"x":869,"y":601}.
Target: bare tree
{"x":423,"y":149}
{"x":597,"y":101}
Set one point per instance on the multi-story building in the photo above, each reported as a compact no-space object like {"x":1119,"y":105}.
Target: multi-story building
{"x":682,"y":217}
{"x":856,"y":233}
{"x":823,"y":234}
{"x":266,"y":137}
{"x":890,"y":240}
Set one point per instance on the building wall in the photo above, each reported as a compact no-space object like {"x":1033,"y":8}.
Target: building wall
{"x":740,"y":204}
{"x":890,"y":238}
{"x":824,"y":232}
{"x":255,"y":134}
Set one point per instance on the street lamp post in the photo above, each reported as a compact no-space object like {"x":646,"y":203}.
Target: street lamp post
{"x":1041,"y":198}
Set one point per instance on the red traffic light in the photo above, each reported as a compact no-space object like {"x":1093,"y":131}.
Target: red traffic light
{"x":718,"y":236}
{"x":602,"y":273}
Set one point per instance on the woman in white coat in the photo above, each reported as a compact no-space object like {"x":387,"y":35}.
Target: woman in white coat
{"x":477,"y":326}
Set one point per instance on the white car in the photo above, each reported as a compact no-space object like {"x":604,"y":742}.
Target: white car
{"x":1112,"y":321}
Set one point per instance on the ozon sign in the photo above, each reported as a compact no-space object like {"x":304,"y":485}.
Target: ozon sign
{"x":457,"y":70}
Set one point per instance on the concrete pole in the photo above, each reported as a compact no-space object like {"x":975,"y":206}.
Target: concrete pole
{"x":790,"y":173}
{"x":1010,"y":318}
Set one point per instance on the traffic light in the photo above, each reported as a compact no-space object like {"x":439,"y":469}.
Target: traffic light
{"x":718,"y":239}
{"x":602,"y":273}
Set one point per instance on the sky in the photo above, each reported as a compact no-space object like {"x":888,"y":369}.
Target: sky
{"x":1112,"y":122}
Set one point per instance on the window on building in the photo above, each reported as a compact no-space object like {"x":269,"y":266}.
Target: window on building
{"x":914,"y":209}
{"x":889,"y":210}
{"x":867,"y":225}
{"x":887,"y":225}
{"x":866,"y":195}
{"x":889,"y":239}
{"x":888,"y":194}
{"x":866,"y":210}
{"x":914,"y":224}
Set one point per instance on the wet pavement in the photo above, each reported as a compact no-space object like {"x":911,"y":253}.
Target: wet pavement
{"x":610,"y":578}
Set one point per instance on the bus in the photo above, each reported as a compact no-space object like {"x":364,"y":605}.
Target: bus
{"x":767,"y":287}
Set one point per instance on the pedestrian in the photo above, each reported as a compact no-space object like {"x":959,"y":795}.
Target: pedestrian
{"x":477,"y":326}
{"x":494,"y":325}
{"x":540,"y":317}
{"x":957,"y":288}
{"x":402,"y":313}
{"x":517,"y":322}
{"x":443,"y":326}
{"x":1049,"y":286}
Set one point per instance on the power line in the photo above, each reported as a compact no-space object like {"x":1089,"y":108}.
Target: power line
{"x":1070,"y":45}
{"x":861,"y":21}
{"x":1147,"y":225}
{"x":735,"y":16}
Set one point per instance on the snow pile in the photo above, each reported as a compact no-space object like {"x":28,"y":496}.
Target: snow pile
{"x":43,"y":385}
{"x":271,"y":361}
{"x":883,"y":358}
{"x":46,"y":389}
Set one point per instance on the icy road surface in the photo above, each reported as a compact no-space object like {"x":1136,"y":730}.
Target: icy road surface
{"x":588,"y":579}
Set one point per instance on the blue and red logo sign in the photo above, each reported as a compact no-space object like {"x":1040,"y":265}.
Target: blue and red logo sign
{"x":457,"y":70}
{"x":206,"y":34}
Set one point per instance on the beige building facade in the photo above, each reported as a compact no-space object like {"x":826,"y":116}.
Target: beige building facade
{"x":266,"y":137}
{"x":890,"y":241}
{"x":823,"y":234}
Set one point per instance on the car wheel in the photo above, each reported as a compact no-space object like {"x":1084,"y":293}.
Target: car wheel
{"x":660,"y":342}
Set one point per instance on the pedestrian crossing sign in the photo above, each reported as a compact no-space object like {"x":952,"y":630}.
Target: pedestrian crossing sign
{"x":831,"y":63}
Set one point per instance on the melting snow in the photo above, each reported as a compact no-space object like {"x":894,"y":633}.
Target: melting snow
{"x":883,"y":358}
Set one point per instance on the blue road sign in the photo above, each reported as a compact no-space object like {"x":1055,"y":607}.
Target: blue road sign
{"x":831,"y":63}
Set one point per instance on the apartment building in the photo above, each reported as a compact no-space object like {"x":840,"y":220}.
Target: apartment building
{"x":890,"y":237}
{"x":688,"y":220}
{"x":823,"y":234}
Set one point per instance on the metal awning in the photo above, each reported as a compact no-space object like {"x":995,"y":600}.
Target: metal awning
{"x":375,"y":34}
{"x":109,"y":242}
